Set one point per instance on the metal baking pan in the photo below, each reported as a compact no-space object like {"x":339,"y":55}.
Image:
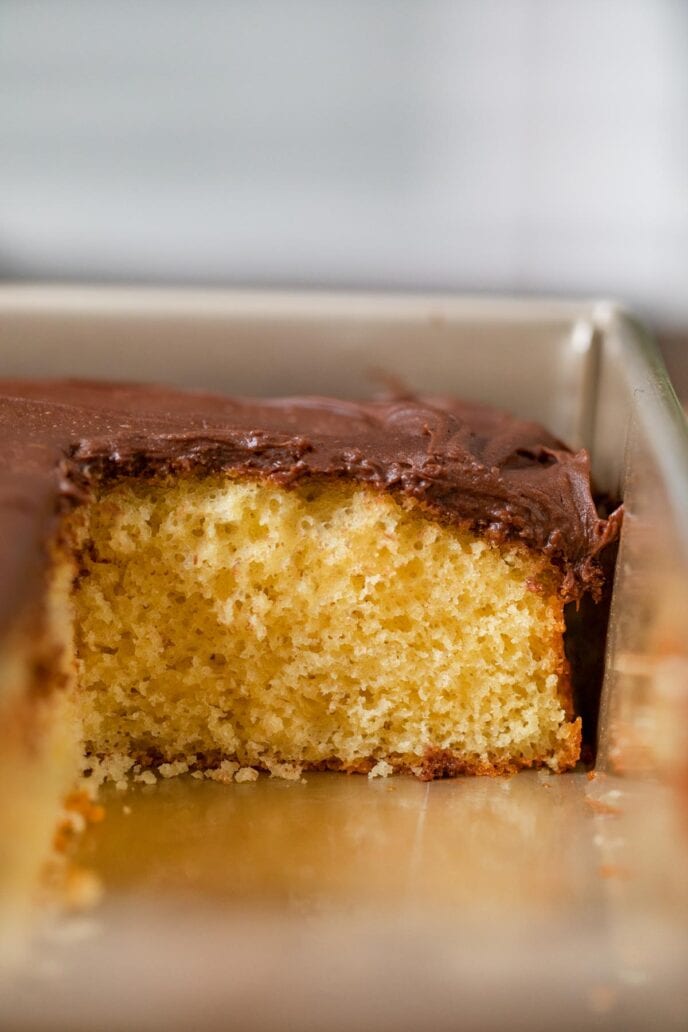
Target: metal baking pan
{"x":534,"y":902}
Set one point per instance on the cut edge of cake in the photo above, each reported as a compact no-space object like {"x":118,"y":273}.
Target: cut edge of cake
{"x":320,"y":626}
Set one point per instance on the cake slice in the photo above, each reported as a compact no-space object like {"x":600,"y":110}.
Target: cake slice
{"x":198,"y":583}
{"x":289,"y":584}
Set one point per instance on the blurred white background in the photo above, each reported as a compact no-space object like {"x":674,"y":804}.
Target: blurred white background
{"x":512,"y":145}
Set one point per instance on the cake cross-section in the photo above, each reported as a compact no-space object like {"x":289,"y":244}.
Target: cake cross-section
{"x":289,"y":584}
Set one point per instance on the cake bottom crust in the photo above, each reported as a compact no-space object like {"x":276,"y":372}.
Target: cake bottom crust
{"x":433,"y":765}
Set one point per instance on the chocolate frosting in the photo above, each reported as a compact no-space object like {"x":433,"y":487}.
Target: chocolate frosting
{"x":468,"y":464}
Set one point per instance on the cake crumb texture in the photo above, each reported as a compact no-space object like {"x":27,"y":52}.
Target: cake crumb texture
{"x":234,"y":621}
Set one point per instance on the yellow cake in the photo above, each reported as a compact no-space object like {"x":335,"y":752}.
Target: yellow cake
{"x":321,"y":626}
{"x":196,"y":583}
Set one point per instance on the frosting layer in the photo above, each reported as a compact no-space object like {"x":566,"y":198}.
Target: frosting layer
{"x":468,"y":464}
